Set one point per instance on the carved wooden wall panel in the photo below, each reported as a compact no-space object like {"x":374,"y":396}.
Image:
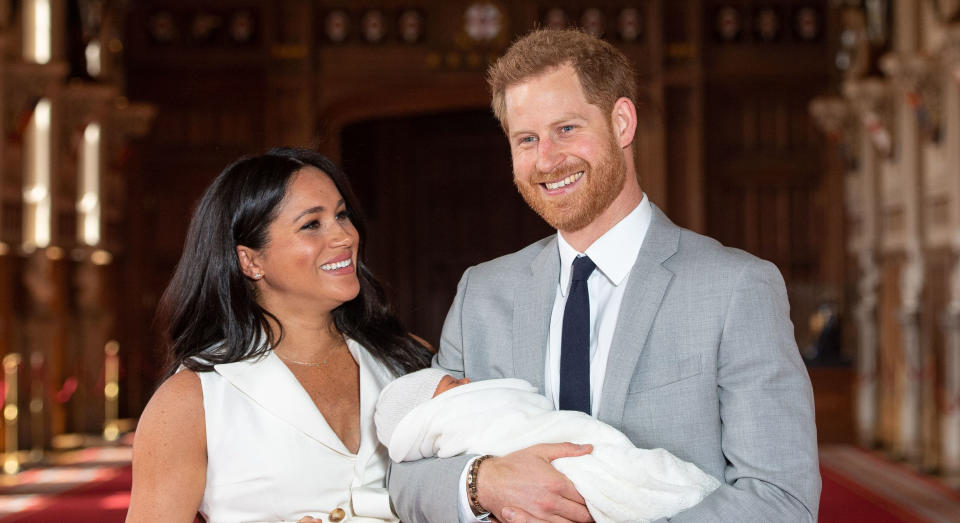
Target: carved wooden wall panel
{"x":451,"y":204}
{"x":764,"y":165}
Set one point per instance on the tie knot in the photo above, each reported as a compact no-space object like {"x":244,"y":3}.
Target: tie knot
{"x":583,"y":266}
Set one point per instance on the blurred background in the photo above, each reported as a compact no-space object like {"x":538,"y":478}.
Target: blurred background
{"x":823,"y":135}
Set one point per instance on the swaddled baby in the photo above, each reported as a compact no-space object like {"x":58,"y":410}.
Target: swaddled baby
{"x":429,"y":413}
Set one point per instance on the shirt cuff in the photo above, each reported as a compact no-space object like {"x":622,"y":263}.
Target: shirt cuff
{"x":464,"y":510}
{"x":371,"y":502}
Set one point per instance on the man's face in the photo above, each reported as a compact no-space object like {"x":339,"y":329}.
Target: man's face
{"x":567,"y":163}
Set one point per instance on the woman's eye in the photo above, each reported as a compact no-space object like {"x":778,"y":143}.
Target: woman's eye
{"x":343,"y":215}
{"x":312,"y":224}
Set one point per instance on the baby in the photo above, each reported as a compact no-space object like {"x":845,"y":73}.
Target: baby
{"x":430,"y":413}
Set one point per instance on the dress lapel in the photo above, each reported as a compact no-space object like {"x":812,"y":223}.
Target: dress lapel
{"x":270,"y":384}
{"x":373,"y":378}
{"x":645,"y":290}
{"x":531,"y":318}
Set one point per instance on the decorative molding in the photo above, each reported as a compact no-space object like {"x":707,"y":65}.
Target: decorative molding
{"x":624,"y":23}
{"x":918,"y":78}
{"x":871,"y":99}
{"x":372,"y":26}
{"x":203,"y":27}
{"x":832,"y":115}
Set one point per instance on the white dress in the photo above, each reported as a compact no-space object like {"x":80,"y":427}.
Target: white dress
{"x":271,"y":455}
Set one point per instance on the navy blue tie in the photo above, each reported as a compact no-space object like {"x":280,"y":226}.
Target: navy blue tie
{"x":575,"y":341}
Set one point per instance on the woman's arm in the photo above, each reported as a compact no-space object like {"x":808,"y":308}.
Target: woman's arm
{"x":170,"y":453}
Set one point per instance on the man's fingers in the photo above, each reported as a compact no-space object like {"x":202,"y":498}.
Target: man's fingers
{"x":552,"y":451}
{"x":573,"y":510}
{"x":569,"y":492}
{"x":515,"y":515}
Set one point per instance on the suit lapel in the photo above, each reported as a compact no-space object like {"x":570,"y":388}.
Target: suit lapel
{"x":270,"y":384}
{"x":645,"y":290}
{"x":531,"y":319}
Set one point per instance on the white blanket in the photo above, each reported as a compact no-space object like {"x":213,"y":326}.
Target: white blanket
{"x":619,"y":482}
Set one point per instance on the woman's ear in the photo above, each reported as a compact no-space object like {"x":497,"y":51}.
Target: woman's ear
{"x":248,"y":262}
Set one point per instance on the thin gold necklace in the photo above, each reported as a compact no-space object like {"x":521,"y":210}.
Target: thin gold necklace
{"x":304,"y":363}
{"x":309,"y":364}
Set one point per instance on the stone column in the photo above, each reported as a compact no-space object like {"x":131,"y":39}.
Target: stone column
{"x":871,"y":143}
{"x":901,"y":197}
{"x":950,"y":410}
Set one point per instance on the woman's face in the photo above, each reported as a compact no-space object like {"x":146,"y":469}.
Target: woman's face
{"x":309,"y":261}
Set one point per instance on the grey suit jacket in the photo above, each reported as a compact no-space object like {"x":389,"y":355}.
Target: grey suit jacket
{"x":703,"y":363}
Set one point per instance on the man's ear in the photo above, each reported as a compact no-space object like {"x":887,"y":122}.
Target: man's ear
{"x":624,"y":120}
{"x":248,"y":262}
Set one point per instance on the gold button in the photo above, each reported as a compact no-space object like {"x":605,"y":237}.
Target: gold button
{"x":337,"y":515}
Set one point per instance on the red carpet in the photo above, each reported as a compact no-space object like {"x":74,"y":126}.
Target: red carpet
{"x":858,"y":487}
{"x":87,"y":485}
{"x":861,"y":486}
{"x":101,"y":501}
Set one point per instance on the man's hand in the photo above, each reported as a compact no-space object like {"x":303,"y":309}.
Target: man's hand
{"x":527,"y":485}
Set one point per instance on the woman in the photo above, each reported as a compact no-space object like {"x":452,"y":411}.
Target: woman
{"x":283,"y":340}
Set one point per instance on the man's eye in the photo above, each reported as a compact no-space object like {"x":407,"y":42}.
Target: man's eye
{"x":528,"y":139}
{"x":566,"y":128}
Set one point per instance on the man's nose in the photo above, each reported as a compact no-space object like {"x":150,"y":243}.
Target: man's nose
{"x":549,"y":155}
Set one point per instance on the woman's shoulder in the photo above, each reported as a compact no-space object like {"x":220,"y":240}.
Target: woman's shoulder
{"x":175,"y":408}
{"x":184,"y":385}
{"x":170,"y":451}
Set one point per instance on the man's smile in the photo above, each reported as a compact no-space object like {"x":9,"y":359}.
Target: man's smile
{"x":550,"y":186}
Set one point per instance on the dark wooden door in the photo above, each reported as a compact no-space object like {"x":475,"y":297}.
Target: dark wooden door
{"x":439,"y":195}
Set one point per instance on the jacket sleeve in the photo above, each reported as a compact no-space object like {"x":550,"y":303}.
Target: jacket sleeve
{"x":769,"y":435}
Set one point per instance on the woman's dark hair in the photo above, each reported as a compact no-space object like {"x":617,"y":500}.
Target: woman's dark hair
{"x":209,"y":300}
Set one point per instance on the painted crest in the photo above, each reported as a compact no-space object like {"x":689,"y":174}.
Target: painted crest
{"x":482,"y":21}
{"x":337,"y":26}
{"x":630,"y":24}
{"x":594,"y":22}
{"x":373,"y":26}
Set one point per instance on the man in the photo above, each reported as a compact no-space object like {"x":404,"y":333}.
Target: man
{"x":675,"y":340}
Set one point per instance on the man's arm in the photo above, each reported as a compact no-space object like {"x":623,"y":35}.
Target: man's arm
{"x":428,"y":490}
{"x":766,"y":408}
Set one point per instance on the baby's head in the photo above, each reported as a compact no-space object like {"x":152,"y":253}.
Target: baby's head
{"x":406,"y":392}
{"x":448,"y":382}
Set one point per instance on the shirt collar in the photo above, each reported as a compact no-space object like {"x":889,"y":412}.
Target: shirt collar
{"x":615,"y":252}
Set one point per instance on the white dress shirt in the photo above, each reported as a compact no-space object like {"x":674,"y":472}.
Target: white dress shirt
{"x":614,"y":254}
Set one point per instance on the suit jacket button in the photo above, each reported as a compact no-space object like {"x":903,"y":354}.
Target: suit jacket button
{"x":337,"y":515}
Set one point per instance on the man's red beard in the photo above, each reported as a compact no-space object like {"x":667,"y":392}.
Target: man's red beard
{"x":602,"y":184}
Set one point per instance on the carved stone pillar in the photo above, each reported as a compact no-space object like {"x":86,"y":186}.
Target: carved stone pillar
{"x":902,"y":241}
{"x":949,"y":183}
{"x":871,"y":143}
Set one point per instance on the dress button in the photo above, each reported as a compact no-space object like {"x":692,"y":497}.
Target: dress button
{"x":337,"y":515}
